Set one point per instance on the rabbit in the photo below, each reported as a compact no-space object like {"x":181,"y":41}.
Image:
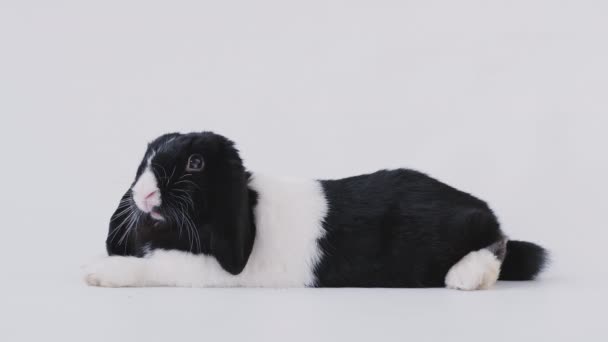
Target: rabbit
{"x":195,"y":217}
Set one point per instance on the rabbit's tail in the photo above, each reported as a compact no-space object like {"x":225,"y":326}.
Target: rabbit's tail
{"x":523,"y":261}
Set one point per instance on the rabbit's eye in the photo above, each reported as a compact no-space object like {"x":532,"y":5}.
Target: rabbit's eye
{"x":195,"y":163}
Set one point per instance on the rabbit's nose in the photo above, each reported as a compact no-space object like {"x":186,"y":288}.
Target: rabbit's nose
{"x":151,"y":200}
{"x":148,"y":196}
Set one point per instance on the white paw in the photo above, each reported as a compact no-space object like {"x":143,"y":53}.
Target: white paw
{"x":475,"y":271}
{"x":114,"y":271}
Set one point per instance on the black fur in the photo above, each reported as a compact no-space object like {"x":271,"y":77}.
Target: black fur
{"x":524,"y":261}
{"x":397,"y":228}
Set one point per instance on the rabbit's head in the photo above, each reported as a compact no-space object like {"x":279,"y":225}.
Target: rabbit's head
{"x":193,"y":188}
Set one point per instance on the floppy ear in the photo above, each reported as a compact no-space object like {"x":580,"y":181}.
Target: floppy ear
{"x":231,"y":222}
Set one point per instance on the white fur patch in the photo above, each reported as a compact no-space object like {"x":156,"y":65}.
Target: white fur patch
{"x":288,"y":217}
{"x":146,"y":184}
{"x":475,"y":271}
{"x":114,"y":271}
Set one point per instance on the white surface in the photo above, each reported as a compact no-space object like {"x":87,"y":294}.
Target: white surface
{"x":505,"y":99}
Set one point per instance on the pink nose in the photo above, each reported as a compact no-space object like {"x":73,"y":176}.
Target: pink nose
{"x":150,"y":195}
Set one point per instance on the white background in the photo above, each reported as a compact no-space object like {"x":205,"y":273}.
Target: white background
{"x":504,"y":99}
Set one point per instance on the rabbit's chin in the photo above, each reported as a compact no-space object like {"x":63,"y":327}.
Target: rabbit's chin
{"x":156,"y":215}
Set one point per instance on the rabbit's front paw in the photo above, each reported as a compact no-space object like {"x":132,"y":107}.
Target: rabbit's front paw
{"x":114,"y":271}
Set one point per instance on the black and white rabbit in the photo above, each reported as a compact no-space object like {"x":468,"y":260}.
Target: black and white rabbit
{"x":195,"y":217}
